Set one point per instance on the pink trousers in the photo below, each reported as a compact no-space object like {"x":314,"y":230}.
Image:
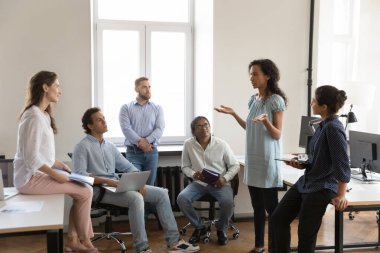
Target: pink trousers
{"x":79,"y":220}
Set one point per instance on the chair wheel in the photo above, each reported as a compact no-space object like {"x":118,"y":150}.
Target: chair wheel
{"x":236,"y":235}
{"x":351,"y":216}
{"x":183,"y":231}
{"x":206,"y":240}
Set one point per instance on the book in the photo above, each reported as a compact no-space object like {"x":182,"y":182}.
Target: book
{"x":210,"y":176}
{"x":77,"y":177}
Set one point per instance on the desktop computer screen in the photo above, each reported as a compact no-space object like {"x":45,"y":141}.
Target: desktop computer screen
{"x":306,"y":130}
{"x":364,"y":151}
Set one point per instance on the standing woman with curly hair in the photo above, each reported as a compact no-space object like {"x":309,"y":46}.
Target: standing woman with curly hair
{"x":262,"y":173}
{"x":35,"y":160}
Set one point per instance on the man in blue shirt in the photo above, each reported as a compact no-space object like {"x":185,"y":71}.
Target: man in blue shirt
{"x":93,"y":156}
{"x":142,"y":123}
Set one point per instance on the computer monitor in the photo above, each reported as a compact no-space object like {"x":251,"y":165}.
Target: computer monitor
{"x":306,"y":130}
{"x":364,"y":152}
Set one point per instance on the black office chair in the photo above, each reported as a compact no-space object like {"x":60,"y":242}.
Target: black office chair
{"x":99,"y":209}
{"x":210,"y":220}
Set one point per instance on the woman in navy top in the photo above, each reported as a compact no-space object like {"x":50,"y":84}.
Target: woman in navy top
{"x":327,"y":173}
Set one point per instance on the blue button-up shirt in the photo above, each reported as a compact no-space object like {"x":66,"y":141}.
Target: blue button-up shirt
{"x":99,"y":159}
{"x":141,"y":121}
{"x":328,"y":159}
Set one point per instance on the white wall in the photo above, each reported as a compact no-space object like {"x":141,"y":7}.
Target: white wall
{"x":245,"y":30}
{"x":56,"y":35}
{"x":45,"y":35}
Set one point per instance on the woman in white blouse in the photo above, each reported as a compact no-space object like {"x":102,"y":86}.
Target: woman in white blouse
{"x":35,"y":160}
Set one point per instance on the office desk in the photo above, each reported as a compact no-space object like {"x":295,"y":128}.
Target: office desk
{"x":49,"y":220}
{"x":362,"y":197}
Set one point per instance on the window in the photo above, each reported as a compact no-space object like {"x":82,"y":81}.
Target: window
{"x":145,"y":38}
{"x":348,"y":55}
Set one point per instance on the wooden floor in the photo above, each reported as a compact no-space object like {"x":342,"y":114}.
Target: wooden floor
{"x":362,"y":228}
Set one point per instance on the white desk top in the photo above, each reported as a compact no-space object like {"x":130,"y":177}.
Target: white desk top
{"x":50,"y":217}
{"x":361,"y":193}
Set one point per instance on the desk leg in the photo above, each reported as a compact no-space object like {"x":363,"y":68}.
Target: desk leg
{"x":338,"y":232}
{"x":54,"y":241}
{"x":378,"y":227}
{"x":60,"y":237}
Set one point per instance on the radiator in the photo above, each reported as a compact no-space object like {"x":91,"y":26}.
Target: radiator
{"x":171,"y":177}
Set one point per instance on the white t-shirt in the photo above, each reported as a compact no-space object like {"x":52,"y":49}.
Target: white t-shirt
{"x":35,"y":145}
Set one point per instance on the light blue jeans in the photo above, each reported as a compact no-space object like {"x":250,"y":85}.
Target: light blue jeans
{"x":144,"y":161}
{"x":194,"y":191}
{"x":135,"y":202}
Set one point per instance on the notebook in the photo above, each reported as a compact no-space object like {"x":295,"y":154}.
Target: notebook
{"x":9,"y":192}
{"x":133,"y":181}
{"x":77,"y":177}
{"x":210,"y":176}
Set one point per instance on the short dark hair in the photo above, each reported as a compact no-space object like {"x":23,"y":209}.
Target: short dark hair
{"x":195,"y":120}
{"x":331,"y":97}
{"x":87,"y":118}
{"x":140,"y":79}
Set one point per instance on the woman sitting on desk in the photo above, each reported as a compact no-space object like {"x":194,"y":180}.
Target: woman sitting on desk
{"x":35,"y":160}
{"x":324,"y":181}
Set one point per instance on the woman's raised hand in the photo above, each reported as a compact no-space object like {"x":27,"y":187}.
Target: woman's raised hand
{"x":224,"y":109}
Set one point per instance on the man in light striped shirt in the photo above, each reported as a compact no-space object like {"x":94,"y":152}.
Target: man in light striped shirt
{"x":142,"y":123}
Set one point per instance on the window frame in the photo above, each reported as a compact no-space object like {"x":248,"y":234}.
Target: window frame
{"x":145,"y":28}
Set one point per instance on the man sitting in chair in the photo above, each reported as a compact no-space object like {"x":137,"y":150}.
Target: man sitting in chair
{"x":200,"y":152}
{"x":96,"y":157}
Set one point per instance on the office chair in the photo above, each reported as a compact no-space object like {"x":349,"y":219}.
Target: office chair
{"x":99,"y":209}
{"x":210,"y":221}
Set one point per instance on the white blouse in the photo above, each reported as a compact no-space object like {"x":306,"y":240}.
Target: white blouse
{"x":35,"y":145}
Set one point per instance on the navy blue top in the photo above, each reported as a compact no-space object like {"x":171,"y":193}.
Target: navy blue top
{"x":328,"y":159}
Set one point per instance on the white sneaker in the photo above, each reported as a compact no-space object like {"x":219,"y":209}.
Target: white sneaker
{"x":183,"y":247}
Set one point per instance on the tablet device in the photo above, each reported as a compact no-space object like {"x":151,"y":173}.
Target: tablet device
{"x":132,"y":181}
{"x":289,"y":159}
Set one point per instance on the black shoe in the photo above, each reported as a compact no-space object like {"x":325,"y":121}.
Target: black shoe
{"x":197,"y":234}
{"x":222,"y":237}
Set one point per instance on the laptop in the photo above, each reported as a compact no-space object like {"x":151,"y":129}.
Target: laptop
{"x":133,"y":181}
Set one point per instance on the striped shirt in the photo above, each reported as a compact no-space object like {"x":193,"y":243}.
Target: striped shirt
{"x":328,"y":159}
{"x":141,"y":121}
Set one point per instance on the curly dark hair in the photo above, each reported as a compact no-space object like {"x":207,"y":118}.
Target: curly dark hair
{"x":270,"y":69}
